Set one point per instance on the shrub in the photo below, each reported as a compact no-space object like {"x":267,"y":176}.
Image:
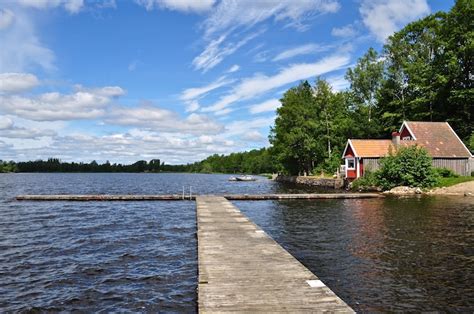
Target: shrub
{"x":328,"y":166}
{"x":446,"y":173}
{"x":409,"y":166}
{"x":366,"y":183}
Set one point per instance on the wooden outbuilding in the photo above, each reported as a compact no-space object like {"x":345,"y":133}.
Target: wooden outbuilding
{"x":438,"y":138}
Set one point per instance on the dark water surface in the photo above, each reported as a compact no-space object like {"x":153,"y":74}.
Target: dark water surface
{"x":381,"y":255}
{"x":91,"y":256}
{"x":390,"y":254}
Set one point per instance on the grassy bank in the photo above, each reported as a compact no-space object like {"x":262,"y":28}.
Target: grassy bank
{"x":445,"y":182}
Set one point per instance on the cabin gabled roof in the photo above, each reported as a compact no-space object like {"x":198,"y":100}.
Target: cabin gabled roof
{"x":438,"y":138}
{"x":372,"y":148}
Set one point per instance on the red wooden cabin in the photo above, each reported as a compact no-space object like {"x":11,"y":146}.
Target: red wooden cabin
{"x":438,"y":138}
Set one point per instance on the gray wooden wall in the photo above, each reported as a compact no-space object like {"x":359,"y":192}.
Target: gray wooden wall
{"x":459,"y":166}
{"x":463,"y":167}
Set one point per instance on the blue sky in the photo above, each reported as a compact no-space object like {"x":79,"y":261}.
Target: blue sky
{"x":175,"y":80}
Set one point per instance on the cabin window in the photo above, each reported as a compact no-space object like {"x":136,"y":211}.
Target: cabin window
{"x":350,"y":163}
{"x":406,"y":138}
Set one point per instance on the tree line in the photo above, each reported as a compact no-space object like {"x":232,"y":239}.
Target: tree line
{"x":56,"y":165}
{"x":254,"y":161}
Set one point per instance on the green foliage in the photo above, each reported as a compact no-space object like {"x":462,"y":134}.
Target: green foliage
{"x":408,"y":166}
{"x":9,"y":166}
{"x":445,"y":182}
{"x":255,"y":161}
{"x":471,"y":142}
{"x":428,"y":71}
{"x":329,"y":165}
{"x":366,"y":79}
{"x":294,"y":134}
{"x":445,"y":173}
{"x":311,"y":128}
{"x":55,"y":165}
{"x":366,"y":183}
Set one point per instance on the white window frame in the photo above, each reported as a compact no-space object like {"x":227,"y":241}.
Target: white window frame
{"x":347,"y":163}
{"x":406,"y":138}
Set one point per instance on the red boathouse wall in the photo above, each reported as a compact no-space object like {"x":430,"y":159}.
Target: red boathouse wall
{"x":405,"y":133}
{"x":351,"y":174}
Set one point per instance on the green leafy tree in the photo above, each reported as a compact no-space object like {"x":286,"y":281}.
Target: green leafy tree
{"x":366,"y":79}
{"x":412,"y":58}
{"x":293,"y":137}
{"x":333,"y":125}
{"x":408,"y":166}
{"x":471,"y":142}
{"x":429,"y":71}
{"x":458,"y":67}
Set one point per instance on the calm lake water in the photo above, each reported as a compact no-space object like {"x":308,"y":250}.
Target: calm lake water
{"x":379,"y":255}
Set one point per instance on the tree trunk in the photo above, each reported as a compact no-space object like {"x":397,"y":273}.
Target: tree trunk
{"x":328,"y":134}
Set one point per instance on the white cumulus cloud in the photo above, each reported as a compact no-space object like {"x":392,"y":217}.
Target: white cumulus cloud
{"x":6,"y":18}
{"x":198,"y":6}
{"x":8,"y":130}
{"x":72,"y":6}
{"x":233,"y":68}
{"x":268,"y":105}
{"x":5,"y":123}
{"x":21,"y":49}
{"x":17,"y":82}
{"x":383,"y":17}
{"x":54,"y":106}
{"x":253,"y":136}
{"x":159,"y":119}
{"x":344,"y":31}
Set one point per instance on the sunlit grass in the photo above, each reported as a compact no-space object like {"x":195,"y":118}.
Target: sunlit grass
{"x":444,"y":182}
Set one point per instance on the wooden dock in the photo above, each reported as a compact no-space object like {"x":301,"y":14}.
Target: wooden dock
{"x":178,"y":197}
{"x":242,"y":269}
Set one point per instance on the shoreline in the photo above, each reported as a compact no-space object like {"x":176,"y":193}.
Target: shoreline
{"x":460,"y":189}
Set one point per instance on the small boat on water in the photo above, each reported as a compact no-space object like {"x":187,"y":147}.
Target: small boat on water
{"x":242,"y":178}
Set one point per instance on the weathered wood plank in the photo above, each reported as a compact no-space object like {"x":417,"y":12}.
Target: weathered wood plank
{"x":176,"y":197}
{"x":242,"y":269}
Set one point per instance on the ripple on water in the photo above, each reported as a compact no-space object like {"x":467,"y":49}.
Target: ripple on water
{"x":395,"y":255}
{"x":392,"y":255}
{"x":98,"y":257}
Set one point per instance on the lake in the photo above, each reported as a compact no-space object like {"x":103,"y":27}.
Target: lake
{"x":378,"y":255}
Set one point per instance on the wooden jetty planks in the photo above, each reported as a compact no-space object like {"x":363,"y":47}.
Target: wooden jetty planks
{"x":99,"y":197}
{"x":242,"y":269}
{"x":309,"y":196}
{"x":176,"y":197}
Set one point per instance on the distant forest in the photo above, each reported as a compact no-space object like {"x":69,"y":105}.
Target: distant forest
{"x":255,"y":161}
{"x":423,"y":73}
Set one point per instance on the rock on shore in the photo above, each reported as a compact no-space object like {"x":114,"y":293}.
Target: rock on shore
{"x":404,"y":190}
{"x":465,"y":188}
